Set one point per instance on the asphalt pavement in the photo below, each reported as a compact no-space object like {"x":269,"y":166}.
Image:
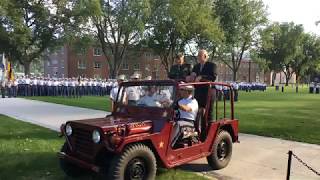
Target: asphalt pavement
{"x":254,"y":158}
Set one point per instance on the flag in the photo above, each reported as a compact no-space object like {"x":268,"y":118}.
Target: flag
{"x":2,"y":63}
{"x":2,"y":69}
{"x":10,"y":72}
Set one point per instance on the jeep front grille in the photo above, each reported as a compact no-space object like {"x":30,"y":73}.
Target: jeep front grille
{"x":83,"y":141}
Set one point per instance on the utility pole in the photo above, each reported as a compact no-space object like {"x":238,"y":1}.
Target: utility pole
{"x":250,"y":71}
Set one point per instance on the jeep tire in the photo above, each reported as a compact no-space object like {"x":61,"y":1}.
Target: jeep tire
{"x":221,"y":151}
{"x":70,"y":169}
{"x":136,"y":162}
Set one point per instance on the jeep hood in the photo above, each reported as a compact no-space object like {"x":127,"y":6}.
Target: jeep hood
{"x":111,"y":122}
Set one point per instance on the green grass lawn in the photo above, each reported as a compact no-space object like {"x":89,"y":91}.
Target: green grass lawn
{"x":28,"y":152}
{"x":93,"y":102}
{"x":288,"y":115}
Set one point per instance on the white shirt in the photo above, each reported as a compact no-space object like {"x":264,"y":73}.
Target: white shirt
{"x":41,"y":82}
{"x":35,"y":82}
{"x":149,"y":101}
{"x":134,"y":93}
{"x":27,"y":81}
{"x":193,"y":104}
{"x":114,"y":92}
{"x":1,"y":75}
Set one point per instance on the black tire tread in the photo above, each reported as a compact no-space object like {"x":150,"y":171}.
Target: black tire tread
{"x":213,"y":159}
{"x":118,"y":164}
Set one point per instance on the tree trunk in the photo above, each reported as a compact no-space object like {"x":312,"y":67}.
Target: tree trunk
{"x":287,"y":80}
{"x":273,"y":78}
{"x":297,"y":83}
{"x":26,"y":66}
{"x":234,"y":75}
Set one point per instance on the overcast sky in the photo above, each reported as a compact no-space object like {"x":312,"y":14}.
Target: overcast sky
{"x":305,"y":12}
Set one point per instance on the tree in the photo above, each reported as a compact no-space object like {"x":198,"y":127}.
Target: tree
{"x":28,"y":27}
{"x":175,"y":23}
{"x":281,"y":45}
{"x":240,"y":21}
{"x":116,"y":25}
{"x":308,"y":57}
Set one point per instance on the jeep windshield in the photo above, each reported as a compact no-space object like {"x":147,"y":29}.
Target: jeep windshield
{"x":146,"y":95}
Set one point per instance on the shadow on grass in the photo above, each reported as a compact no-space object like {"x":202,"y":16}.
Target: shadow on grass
{"x":196,"y":167}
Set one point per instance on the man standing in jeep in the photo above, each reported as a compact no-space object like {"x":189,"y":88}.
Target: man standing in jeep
{"x":188,"y":109}
{"x":203,"y":71}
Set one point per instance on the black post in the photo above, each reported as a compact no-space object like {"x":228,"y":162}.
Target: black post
{"x":289,"y":164}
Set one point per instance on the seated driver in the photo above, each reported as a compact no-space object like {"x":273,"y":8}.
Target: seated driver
{"x":188,"y":109}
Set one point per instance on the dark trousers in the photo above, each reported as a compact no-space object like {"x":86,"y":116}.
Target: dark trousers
{"x":201,"y":95}
{"x":3,"y":91}
{"x":14,"y":91}
{"x":9,"y":92}
{"x":236,"y":95}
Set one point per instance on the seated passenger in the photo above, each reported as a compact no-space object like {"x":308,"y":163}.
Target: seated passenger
{"x":188,"y":109}
{"x":150,"y":98}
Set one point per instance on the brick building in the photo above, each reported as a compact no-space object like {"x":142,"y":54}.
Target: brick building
{"x":249,"y":71}
{"x":65,"y":62}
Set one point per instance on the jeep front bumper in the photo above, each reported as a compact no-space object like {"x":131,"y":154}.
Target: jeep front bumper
{"x":78,"y":162}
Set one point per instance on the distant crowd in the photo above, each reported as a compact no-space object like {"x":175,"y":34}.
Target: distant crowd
{"x":77,"y":87}
{"x":66,"y":87}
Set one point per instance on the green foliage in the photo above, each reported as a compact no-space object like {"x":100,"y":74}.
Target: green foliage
{"x":308,"y":56}
{"x":27,"y":28}
{"x":116,"y":25}
{"x":287,"y":48}
{"x":240,"y":21}
{"x":176,"y":23}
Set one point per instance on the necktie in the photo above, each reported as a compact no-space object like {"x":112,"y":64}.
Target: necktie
{"x":201,"y":67}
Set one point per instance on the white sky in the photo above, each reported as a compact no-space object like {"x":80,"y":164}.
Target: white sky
{"x":305,"y":12}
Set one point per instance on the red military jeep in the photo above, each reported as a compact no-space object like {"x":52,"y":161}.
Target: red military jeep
{"x":135,"y":139}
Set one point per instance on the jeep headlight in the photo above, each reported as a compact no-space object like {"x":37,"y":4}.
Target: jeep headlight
{"x":96,"y":136}
{"x":68,"y":130}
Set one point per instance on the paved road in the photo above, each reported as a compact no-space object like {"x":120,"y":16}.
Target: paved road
{"x":254,"y":158}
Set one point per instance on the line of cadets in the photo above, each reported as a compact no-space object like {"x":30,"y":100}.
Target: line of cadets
{"x":67,"y":87}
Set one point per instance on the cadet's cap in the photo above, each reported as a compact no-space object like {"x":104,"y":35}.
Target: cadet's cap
{"x":135,"y":76}
{"x":188,"y":87}
{"x":148,"y":78}
{"x":121,"y":77}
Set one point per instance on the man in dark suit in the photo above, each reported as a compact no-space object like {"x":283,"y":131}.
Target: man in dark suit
{"x":203,"y":71}
{"x":180,"y":70}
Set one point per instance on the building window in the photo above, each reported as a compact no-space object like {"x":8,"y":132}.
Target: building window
{"x":97,"y":52}
{"x":147,"y":54}
{"x":136,"y":67}
{"x":125,"y":66}
{"x":82,"y":64}
{"x":97,"y":65}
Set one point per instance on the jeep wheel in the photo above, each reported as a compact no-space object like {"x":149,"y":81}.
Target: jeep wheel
{"x":221,"y":151}
{"x":136,"y":162}
{"x":69,"y":168}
